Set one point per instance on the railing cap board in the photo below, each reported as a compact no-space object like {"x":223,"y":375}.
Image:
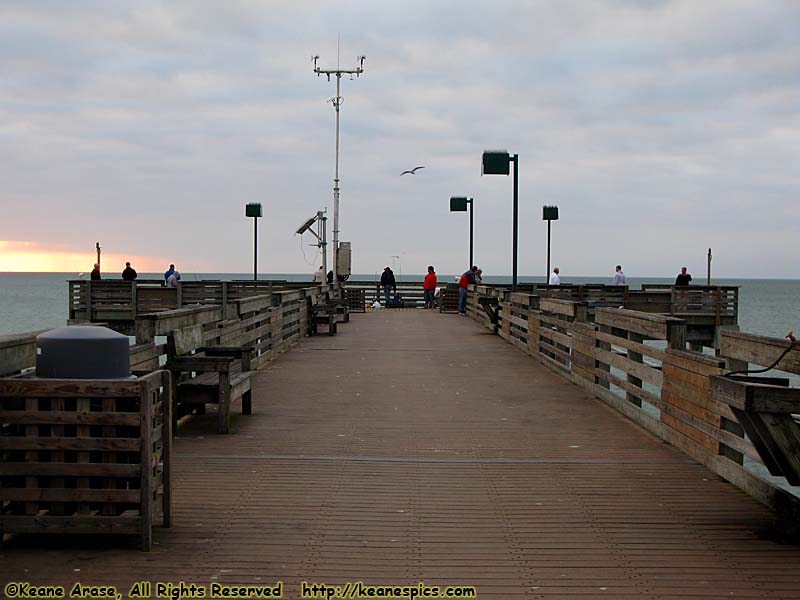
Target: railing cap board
{"x":169,"y":320}
{"x":693,"y":361}
{"x":521,"y":298}
{"x":560,"y":306}
{"x":252,"y":303}
{"x":652,"y":325}
{"x":757,"y":397}
{"x":200,"y":309}
{"x":759,"y":349}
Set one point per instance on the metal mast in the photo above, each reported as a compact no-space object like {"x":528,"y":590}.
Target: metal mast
{"x":337,"y":102}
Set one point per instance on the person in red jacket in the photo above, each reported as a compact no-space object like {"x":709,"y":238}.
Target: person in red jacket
{"x":429,"y":288}
{"x":467,"y":279}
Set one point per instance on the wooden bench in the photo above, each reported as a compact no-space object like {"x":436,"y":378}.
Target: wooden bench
{"x":327,"y":313}
{"x":222,"y":375}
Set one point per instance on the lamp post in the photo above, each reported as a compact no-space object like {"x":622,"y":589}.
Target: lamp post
{"x":496,"y":162}
{"x":459,"y":204}
{"x":254,"y":210}
{"x":549,"y":213}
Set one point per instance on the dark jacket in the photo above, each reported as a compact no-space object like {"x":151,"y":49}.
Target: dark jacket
{"x":682,"y":279}
{"x":129,"y":274}
{"x":95,"y":276}
{"x":387,"y":278}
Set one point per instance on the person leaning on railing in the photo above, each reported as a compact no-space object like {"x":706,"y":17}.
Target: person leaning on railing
{"x":467,"y":279}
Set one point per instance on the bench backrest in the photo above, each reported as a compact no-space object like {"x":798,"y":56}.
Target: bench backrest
{"x":185,"y":340}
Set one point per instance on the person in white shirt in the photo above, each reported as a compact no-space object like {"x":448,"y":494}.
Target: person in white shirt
{"x":319,"y":276}
{"x":554,"y":278}
{"x":172,"y":280}
{"x":619,"y":276}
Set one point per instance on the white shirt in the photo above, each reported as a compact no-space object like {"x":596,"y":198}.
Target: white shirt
{"x":319,"y":276}
{"x":554,"y":279}
{"x":619,"y":278}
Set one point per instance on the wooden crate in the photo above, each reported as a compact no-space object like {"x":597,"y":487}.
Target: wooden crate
{"x":448,"y":300}
{"x":85,"y":456}
{"x":355,"y":299}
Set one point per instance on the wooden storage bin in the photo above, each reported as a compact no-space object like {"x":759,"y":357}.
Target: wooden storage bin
{"x":85,"y":455}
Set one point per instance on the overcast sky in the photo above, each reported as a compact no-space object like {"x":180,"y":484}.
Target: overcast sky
{"x":658,"y":128}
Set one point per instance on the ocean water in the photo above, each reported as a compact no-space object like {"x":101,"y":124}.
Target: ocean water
{"x":34,"y":301}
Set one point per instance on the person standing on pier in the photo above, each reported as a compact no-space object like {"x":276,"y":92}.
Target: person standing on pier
{"x":467,"y":279}
{"x":95,"y":275}
{"x":619,"y":276}
{"x":319,"y":276}
{"x":683,"y":277}
{"x":129,"y":273}
{"x":169,"y":273}
{"x":554,"y":278}
{"x":388,"y":283}
{"x":429,"y":288}
{"x":173,"y":280}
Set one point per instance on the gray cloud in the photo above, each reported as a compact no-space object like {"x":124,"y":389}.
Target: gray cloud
{"x":659,"y":128}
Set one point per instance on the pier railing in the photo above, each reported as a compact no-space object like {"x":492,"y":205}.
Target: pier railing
{"x":121,"y":302}
{"x":638,"y":362}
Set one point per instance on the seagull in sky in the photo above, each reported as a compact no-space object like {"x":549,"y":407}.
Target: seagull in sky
{"x":412,"y":171}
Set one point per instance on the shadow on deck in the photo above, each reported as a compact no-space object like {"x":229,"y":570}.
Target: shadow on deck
{"x":415,"y":446}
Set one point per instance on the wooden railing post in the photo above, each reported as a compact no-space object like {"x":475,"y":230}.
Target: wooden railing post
{"x":676,"y":335}
{"x":635,"y":357}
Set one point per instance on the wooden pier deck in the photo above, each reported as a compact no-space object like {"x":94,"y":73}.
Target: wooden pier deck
{"x":415,"y":446}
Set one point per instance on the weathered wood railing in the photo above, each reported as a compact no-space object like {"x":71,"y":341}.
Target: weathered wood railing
{"x":121,"y":301}
{"x":410,"y":291}
{"x":639,"y":363}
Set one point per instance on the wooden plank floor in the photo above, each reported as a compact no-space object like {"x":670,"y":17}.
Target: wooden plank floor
{"x":415,"y":446}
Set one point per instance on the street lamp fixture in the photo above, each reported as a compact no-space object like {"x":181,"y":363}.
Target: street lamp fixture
{"x":254,"y":210}
{"x":497,"y":162}
{"x":549,"y":213}
{"x":459,"y":204}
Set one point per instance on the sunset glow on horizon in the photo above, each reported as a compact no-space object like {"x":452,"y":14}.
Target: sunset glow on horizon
{"x":32,"y":257}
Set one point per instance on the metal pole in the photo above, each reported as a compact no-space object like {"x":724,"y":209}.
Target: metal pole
{"x":337,"y":100}
{"x":97,"y":245}
{"x":323,"y":221}
{"x":515,"y":158}
{"x":336,"y":103}
{"x":709,"y":268}
{"x":471,"y":207}
{"x":255,"y":248}
{"x":547,"y":277}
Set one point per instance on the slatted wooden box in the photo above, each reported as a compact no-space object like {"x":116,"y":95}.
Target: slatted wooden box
{"x":448,"y":300}
{"x":356,"y":299}
{"x":85,"y":456}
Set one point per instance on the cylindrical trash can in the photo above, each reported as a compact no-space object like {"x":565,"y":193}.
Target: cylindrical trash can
{"x":83,"y":352}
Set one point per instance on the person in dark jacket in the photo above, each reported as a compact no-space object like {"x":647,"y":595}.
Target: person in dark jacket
{"x":95,"y":276}
{"x":683,"y":277}
{"x":388,"y":283}
{"x":129,"y":273}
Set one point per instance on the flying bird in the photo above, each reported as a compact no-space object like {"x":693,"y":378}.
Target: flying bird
{"x":412,"y":171}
